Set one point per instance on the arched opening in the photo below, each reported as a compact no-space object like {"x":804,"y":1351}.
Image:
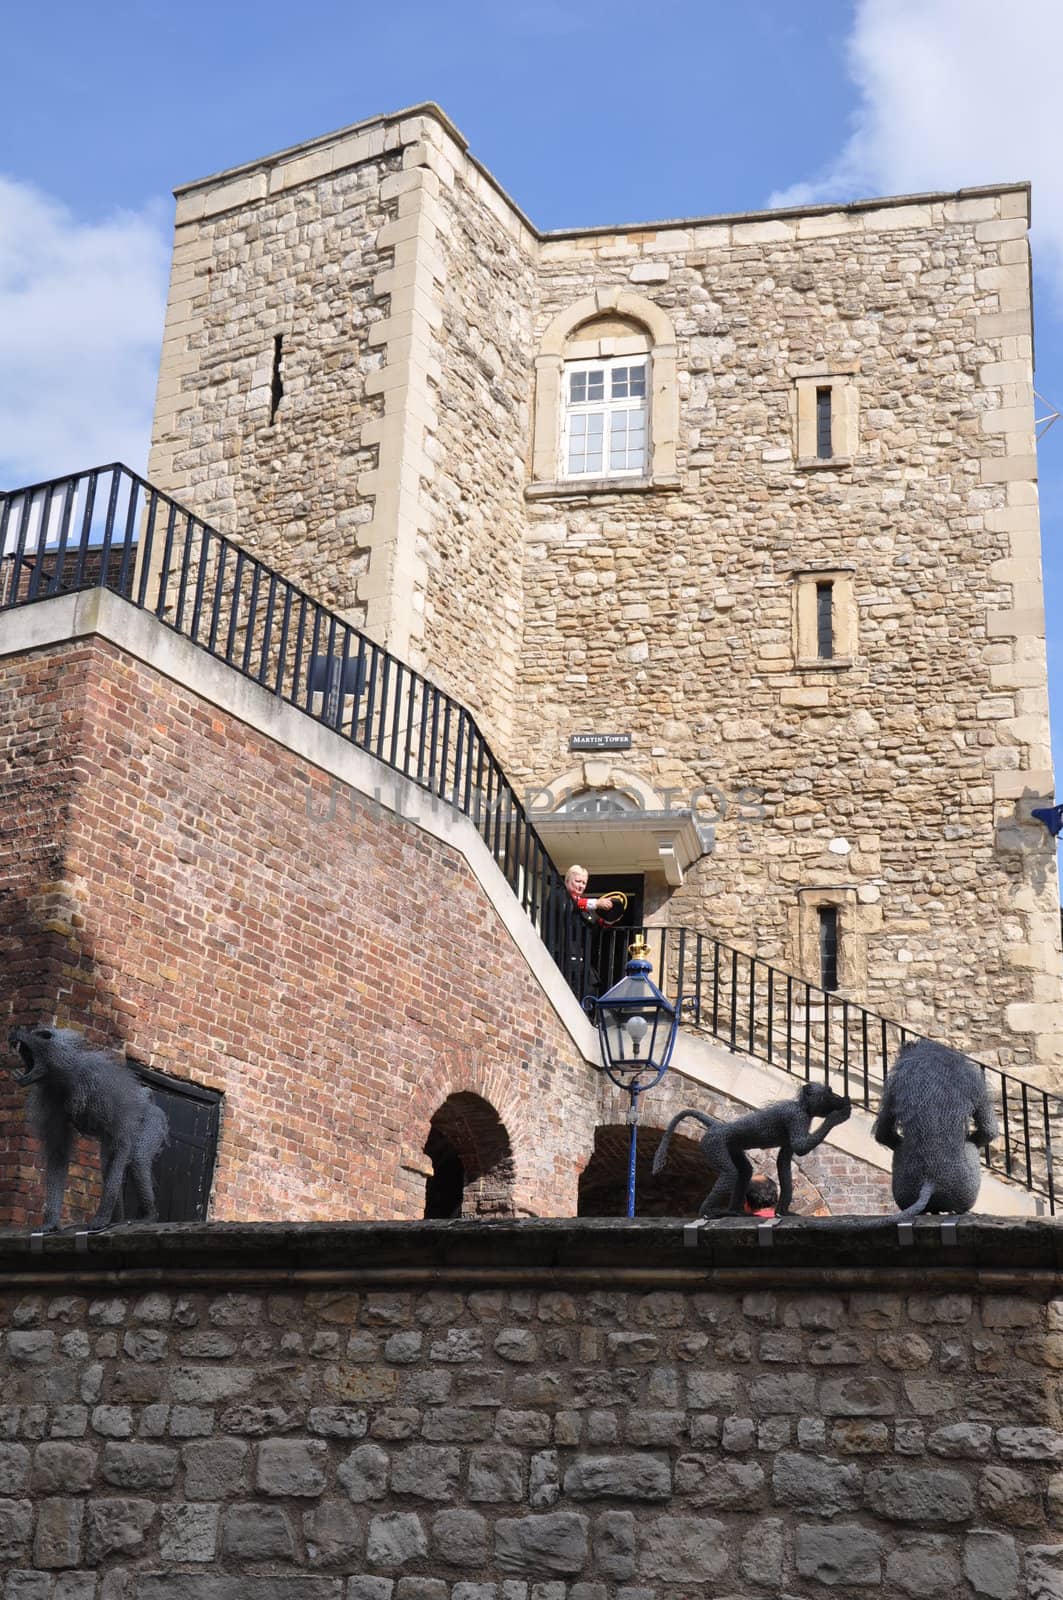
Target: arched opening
{"x":472,"y":1163}
{"x":676,"y":1192}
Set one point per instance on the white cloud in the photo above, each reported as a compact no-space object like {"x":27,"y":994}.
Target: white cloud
{"x":81,"y":311}
{"x":953,"y":93}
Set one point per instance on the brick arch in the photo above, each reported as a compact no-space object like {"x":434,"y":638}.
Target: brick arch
{"x":468,"y":1127}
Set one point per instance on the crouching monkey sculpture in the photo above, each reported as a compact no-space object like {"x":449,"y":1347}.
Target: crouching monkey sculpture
{"x":76,"y":1089}
{"x":785,"y":1123}
{"x":934,"y":1115}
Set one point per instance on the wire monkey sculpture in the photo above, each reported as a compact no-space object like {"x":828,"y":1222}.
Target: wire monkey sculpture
{"x":785,"y":1123}
{"x":76,"y":1089}
{"x":934,"y":1114}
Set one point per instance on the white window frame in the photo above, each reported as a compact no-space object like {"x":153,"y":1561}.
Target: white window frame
{"x":608,"y":408}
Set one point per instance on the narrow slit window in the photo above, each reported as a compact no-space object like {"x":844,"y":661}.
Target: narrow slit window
{"x":276,"y":388}
{"x":825,"y":621}
{"x":824,"y":444}
{"x":828,"y":947}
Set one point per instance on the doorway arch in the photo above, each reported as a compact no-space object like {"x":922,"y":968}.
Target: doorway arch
{"x":472,"y":1161}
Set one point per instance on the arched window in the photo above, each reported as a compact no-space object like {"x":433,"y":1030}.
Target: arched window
{"x":606,"y":408}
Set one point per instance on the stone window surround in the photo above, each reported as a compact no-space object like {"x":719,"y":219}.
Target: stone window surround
{"x":852,"y":944}
{"x":806,"y":645}
{"x":659,"y":343}
{"x":839,"y":377}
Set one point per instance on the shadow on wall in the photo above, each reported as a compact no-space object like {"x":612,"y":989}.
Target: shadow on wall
{"x":472,"y":1161}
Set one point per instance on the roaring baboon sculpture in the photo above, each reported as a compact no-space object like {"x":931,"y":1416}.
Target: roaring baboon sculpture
{"x":935,"y":1113}
{"x":784,"y":1123}
{"x":76,"y":1089}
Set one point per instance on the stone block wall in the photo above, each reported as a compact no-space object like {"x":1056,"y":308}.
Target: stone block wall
{"x":895,"y":781}
{"x":398,"y":480}
{"x":559,"y":1414}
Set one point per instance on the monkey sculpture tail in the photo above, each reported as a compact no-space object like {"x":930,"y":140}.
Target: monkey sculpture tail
{"x":662,"y":1149}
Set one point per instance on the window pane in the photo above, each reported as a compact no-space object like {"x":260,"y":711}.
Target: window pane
{"x":596,"y":385}
{"x":637,"y":381}
{"x":619,"y":383}
{"x":577,"y":387}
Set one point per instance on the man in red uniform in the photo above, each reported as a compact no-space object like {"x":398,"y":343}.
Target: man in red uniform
{"x":576,"y":884}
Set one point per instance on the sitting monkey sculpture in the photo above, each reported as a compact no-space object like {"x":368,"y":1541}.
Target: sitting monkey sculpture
{"x":785,"y":1123}
{"x":934,"y":1115}
{"x":76,"y":1089}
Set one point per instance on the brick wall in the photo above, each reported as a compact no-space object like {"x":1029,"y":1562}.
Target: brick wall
{"x":181,"y":886}
{"x":531,"y":1412}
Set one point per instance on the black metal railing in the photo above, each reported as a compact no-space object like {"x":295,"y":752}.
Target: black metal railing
{"x":812,"y":1033}
{"x":109,"y":528}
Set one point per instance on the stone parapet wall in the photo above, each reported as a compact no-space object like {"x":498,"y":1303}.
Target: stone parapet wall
{"x":532,"y":1412}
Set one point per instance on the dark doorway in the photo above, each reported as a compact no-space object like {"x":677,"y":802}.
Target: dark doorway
{"x":676,"y":1192}
{"x":444,"y":1191}
{"x":184,"y":1167}
{"x":472,"y":1163}
{"x":609,"y":957}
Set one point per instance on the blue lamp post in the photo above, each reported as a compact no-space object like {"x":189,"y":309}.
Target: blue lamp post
{"x":636,"y":1029}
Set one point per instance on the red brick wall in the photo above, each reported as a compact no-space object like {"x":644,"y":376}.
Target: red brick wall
{"x":164,"y":886}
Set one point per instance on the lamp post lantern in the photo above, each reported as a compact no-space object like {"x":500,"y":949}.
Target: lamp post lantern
{"x":636,"y":1030}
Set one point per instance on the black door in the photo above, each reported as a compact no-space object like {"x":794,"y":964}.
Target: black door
{"x":610,"y":956}
{"x":184,"y":1167}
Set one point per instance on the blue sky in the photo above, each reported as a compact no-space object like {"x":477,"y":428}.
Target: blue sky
{"x":588,"y":111}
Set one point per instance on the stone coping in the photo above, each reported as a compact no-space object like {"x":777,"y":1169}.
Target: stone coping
{"x":428,"y":108}
{"x":802,"y":1252}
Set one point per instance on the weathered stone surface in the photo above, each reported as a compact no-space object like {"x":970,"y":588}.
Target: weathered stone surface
{"x":722,"y":1485}
{"x":789,"y":1393}
{"x":924,"y":1564}
{"x":16,"y":1528}
{"x":188,"y":1533}
{"x":843,"y":1553}
{"x":634,"y":1477}
{"x":338,"y":1422}
{"x":991,"y":1563}
{"x":334,"y":1534}
{"x":215,"y":1469}
{"x":429,"y":1471}
{"x":969,"y":1440}
{"x":394,"y":1539}
{"x":861,"y":1396}
{"x":1044,"y":1572}
{"x":252,"y":1532}
{"x":57,"y":1540}
{"x":116,"y":1525}
{"x":364,"y":1474}
{"x":681,"y":1550}
{"x":539,"y":1546}
{"x":496,"y":1474}
{"x":916,"y":1494}
{"x":763,"y":1552}
{"x":1030,"y":1444}
{"x":292,"y":1467}
{"x":1009,"y":1496}
{"x":815,"y":1483}
{"x":614,"y":1544}
{"x":63,"y":1468}
{"x":139,"y":1466}
{"x":460,"y":1539}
